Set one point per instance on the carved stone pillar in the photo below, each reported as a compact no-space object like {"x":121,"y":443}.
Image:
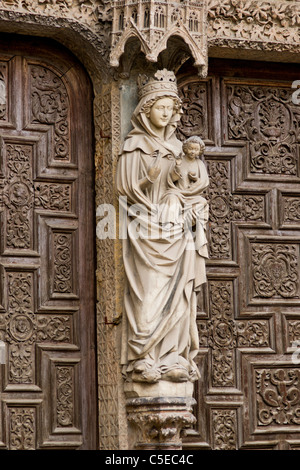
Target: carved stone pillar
{"x":157,"y":421}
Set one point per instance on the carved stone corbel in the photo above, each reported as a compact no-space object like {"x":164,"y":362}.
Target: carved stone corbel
{"x":158,"y":423}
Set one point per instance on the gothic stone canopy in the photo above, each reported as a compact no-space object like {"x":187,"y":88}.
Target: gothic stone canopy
{"x":153,"y":23}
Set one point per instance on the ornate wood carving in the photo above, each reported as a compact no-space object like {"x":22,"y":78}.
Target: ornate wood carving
{"x":222,"y":334}
{"x":291,"y":209}
{"x":50,"y":105}
{"x":18,"y":196}
{"x":41,"y":214}
{"x":65,"y":399}
{"x":22,"y":428}
{"x":249,"y":313}
{"x":53,"y":197}
{"x":62,"y":276}
{"x":195,"y":110}
{"x":54,"y":328}
{"x":275,"y":270}
{"x":265,"y":117}
{"x":278,"y":397}
{"x":20,"y":322}
{"x":224,"y":425}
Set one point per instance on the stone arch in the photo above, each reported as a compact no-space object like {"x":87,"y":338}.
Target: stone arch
{"x":90,"y":48}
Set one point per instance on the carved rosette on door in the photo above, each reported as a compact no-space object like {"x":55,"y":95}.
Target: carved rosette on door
{"x":40,"y":302}
{"x":249,"y":311}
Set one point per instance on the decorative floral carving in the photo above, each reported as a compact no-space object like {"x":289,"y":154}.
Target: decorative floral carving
{"x":194,"y":120}
{"x":254,"y":115}
{"x":21,"y":360}
{"x":226,"y":207}
{"x":64,"y":391}
{"x":20,"y":291}
{"x":18,"y":196}
{"x":263,"y":116}
{"x":222,"y":337}
{"x":249,"y":333}
{"x":203,"y":333}
{"x":107,"y":118}
{"x":20,"y":326}
{"x":87,"y":11}
{"x":224,"y":428}
{"x":50,"y":105}
{"x":219,"y":204}
{"x":22,"y":428}
{"x":53,"y":196}
{"x":223,"y":334}
{"x":255,"y":21}
{"x":230,"y":23}
{"x":291,"y":209}
{"x":62,"y":277}
{"x":248,"y":208}
{"x":253,"y":334}
{"x":54,"y":328}
{"x":293,"y":330}
{"x":278,"y":397}
{"x":24,"y":328}
{"x":275,"y":270}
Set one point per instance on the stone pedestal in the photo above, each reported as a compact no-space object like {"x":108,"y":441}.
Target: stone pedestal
{"x":158,"y":413}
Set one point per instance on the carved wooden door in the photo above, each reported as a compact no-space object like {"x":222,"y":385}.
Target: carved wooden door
{"x":46,"y":251}
{"x":249,"y":313}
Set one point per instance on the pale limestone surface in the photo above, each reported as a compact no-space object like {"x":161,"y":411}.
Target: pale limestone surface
{"x":164,"y":267}
{"x":163,"y":388}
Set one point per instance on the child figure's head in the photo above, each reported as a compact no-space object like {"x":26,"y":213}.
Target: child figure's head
{"x":193,"y":147}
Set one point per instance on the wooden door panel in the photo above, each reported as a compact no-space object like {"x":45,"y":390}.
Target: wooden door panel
{"x":46,"y":249}
{"x":249,"y":310}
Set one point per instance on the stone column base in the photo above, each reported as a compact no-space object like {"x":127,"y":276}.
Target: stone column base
{"x":156,"y":421}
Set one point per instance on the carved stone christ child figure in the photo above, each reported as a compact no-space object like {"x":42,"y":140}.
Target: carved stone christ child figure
{"x":163,"y":273}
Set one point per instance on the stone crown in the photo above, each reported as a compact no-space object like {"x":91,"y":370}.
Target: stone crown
{"x":163,"y":80}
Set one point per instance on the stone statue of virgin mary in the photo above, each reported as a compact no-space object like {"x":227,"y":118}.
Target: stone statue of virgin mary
{"x":163,"y":271}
